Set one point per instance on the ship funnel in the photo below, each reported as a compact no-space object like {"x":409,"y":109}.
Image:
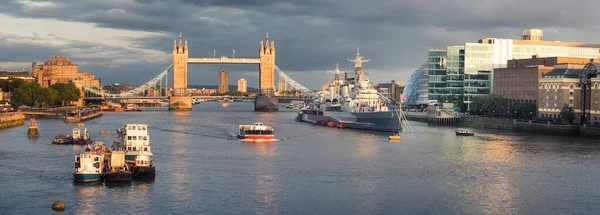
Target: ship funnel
{"x":331,"y":91}
{"x":345,"y":91}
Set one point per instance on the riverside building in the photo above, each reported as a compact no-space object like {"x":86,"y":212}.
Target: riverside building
{"x":563,"y":87}
{"x":463,"y":72}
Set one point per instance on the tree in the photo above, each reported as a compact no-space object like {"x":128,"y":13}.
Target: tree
{"x":523,"y":110}
{"x":67,"y":92}
{"x":15,"y":83}
{"x":4,"y":85}
{"x":491,"y":105}
{"x":567,"y":115}
{"x":49,"y":97}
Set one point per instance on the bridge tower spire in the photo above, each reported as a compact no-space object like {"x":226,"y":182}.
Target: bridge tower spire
{"x":267,"y":66}
{"x":180,"y":61}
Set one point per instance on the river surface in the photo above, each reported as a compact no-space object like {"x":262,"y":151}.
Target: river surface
{"x":203,"y":169}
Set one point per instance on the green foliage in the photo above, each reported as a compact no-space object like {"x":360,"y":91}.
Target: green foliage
{"x":523,"y":110}
{"x":567,"y":115}
{"x":15,"y":83}
{"x":32,"y":94}
{"x":67,"y":92}
{"x":4,"y":85}
{"x":489,"y":105}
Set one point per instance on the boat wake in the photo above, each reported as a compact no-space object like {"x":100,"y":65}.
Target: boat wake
{"x":194,"y":133}
{"x":260,"y":140}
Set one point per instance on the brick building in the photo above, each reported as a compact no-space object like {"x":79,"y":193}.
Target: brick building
{"x":562,"y":86}
{"x":59,"y":69}
{"x":519,"y":81}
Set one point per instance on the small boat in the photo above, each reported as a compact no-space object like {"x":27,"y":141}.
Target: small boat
{"x":257,"y":131}
{"x":88,"y":167}
{"x":143,"y":165}
{"x":79,"y":138}
{"x":80,"y":124}
{"x":395,"y":137}
{"x":63,"y":139}
{"x":117,"y":170}
{"x":225,"y":104}
{"x":463,"y":132}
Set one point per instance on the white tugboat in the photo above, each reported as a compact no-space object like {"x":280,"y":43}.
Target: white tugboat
{"x":80,"y":138}
{"x":88,"y":167}
{"x":135,"y":141}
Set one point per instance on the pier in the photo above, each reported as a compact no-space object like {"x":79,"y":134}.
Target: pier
{"x":82,"y":116}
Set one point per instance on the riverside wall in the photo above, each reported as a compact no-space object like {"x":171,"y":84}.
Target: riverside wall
{"x":11,"y":119}
{"x":525,"y":127}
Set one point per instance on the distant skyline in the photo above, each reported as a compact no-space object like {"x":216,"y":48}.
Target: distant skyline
{"x":130,"y":41}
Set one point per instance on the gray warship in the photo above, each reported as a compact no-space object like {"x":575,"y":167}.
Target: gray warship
{"x":353,"y":103}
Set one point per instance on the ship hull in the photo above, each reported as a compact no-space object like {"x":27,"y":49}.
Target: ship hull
{"x":143,"y":171}
{"x":118,"y":176}
{"x":87,"y":177}
{"x":375,"y":121}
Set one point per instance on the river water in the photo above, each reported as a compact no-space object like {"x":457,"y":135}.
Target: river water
{"x":203,"y":169}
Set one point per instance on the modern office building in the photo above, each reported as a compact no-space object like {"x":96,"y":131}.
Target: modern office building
{"x":453,"y":65}
{"x":416,"y":89}
{"x":223,"y":81}
{"x":242,"y":85}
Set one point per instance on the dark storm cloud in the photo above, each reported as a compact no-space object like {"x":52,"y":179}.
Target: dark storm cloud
{"x":315,"y":34}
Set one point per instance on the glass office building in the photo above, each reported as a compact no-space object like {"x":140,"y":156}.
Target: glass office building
{"x":437,"y":74}
{"x":463,"y":72}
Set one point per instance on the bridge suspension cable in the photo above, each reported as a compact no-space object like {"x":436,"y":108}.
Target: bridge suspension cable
{"x":293,"y":83}
{"x":135,"y":91}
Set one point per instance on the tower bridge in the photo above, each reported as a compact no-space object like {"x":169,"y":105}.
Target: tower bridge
{"x":180,"y":100}
{"x":265,"y":101}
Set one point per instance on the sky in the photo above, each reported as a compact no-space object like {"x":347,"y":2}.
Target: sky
{"x":131,"y":41}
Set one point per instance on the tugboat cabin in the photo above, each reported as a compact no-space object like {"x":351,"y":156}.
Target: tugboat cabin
{"x":135,"y":138}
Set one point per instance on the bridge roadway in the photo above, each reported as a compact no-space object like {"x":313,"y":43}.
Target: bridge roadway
{"x":281,"y":99}
{"x":224,"y":60}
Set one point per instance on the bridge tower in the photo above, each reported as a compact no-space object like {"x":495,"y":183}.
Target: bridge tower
{"x":180,"y":100}
{"x":266,"y":100}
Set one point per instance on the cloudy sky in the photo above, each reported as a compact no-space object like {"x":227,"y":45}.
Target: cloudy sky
{"x":130,"y":41}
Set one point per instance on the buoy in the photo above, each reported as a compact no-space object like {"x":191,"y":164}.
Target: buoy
{"x":331,"y":124}
{"x":317,"y":122}
{"x":395,"y":137}
{"x":32,"y":131}
{"x":341,"y":125}
{"x":105,"y":132}
{"x":323,"y":123}
{"x":58,"y":206}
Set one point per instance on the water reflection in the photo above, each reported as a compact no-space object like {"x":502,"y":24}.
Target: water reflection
{"x":180,"y":168}
{"x":489,"y":163}
{"x":266,"y":183}
{"x":366,"y":145}
{"x":88,"y":195}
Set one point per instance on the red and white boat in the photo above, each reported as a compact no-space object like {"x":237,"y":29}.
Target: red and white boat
{"x":258,"y":131}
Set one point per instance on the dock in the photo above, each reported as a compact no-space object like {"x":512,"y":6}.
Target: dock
{"x":82,"y":117}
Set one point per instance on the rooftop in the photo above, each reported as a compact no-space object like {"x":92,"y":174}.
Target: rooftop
{"x":14,"y":74}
